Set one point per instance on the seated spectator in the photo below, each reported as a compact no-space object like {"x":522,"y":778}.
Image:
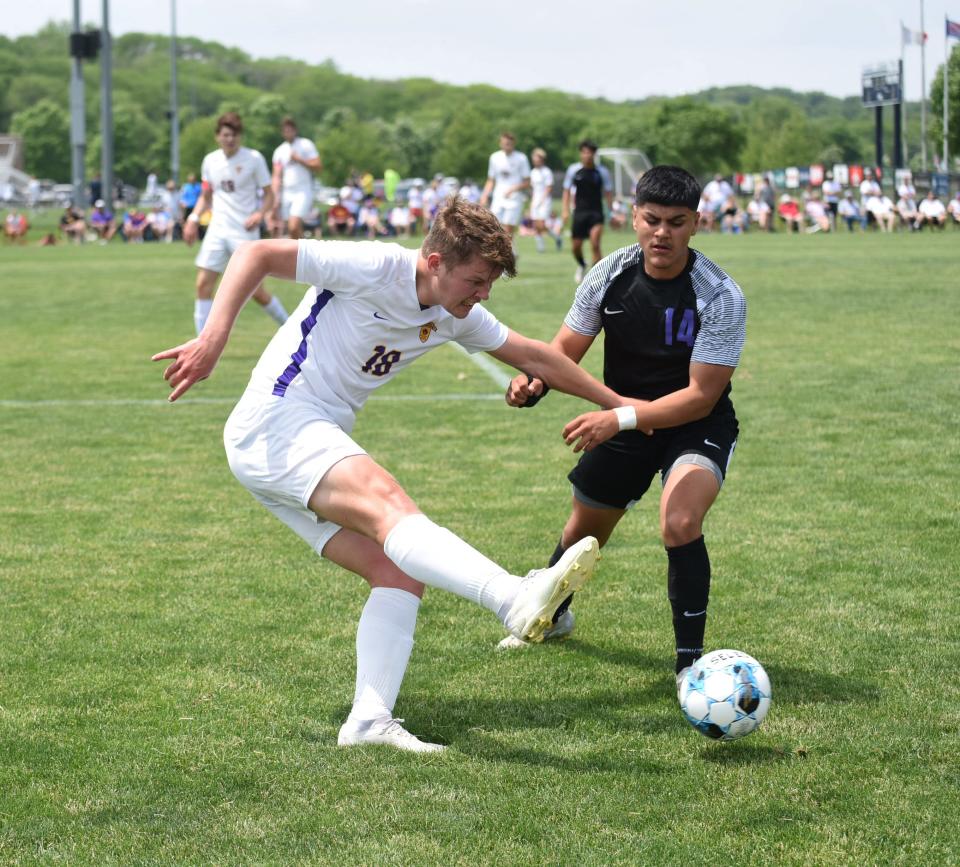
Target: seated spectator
{"x":102,"y":222}
{"x":953,"y":209}
{"x":72,"y":225}
{"x":399,"y":220}
{"x":339,"y":219}
{"x":134,"y":226}
{"x":817,"y":214}
{"x":907,"y":212}
{"x":880,"y":211}
{"x":160,"y":224}
{"x":731,"y":217}
{"x":48,"y":240}
{"x":758,"y":212}
{"x":849,"y":211}
{"x":790,"y":213}
{"x":619,"y":214}
{"x":932,"y":212}
{"x":15,"y":227}
{"x":707,"y":215}
{"x":368,"y":219}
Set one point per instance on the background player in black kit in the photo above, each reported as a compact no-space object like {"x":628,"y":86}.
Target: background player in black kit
{"x":586,"y":185}
{"x":674,"y":326}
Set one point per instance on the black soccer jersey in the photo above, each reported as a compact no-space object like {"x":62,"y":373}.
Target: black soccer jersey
{"x":653,"y":328}
{"x":588,"y":186}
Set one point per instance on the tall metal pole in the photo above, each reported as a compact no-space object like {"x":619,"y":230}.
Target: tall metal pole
{"x":878,"y":136}
{"x":106,"y":107}
{"x":174,"y":107}
{"x":946,"y":91}
{"x":923,"y":93}
{"x":898,"y":128}
{"x":904,"y":151}
{"x":78,"y":132}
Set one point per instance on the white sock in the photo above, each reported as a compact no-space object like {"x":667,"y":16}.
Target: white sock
{"x":201,"y":310}
{"x":276,"y":311}
{"x":540,"y":244}
{"x":384,"y":643}
{"x":435,"y":556}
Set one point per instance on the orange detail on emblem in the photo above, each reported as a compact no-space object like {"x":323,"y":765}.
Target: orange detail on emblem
{"x":425,"y":332}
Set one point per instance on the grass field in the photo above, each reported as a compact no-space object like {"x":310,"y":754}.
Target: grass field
{"x":174,"y":663}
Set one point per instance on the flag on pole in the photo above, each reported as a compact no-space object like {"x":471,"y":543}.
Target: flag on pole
{"x":912,"y":37}
{"x":953,"y":29}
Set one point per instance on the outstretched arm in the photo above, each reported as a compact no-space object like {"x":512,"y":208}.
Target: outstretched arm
{"x":546,"y":363}
{"x":195,"y":359}
{"x":567,"y":341}
{"x":707,"y":382}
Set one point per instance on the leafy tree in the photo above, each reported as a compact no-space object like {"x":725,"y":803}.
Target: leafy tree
{"x":45,"y":129}
{"x":196,"y":141}
{"x":261,"y":123}
{"x":696,"y":135}
{"x":467,"y":142}
{"x":953,"y":108}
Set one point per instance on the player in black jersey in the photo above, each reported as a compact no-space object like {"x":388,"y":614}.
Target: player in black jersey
{"x":674,"y":325}
{"x":586,"y":185}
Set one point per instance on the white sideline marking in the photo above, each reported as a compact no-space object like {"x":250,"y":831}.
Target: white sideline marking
{"x":486,"y":365}
{"x":382,"y":398}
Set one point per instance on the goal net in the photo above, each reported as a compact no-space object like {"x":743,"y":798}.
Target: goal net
{"x":625,"y":166}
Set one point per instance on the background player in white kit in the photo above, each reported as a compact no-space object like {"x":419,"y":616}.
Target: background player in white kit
{"x":234,"y":178}
{"x":372,"y":310}
{"x":294,"y":164}
{"x":508,"y":175}
{"x":541,"y":198}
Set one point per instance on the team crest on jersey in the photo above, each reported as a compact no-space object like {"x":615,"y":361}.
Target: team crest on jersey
{"x":425,"y":331}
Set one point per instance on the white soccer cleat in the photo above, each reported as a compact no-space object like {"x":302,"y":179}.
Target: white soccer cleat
{"x":387,"y":732}
{"x":578,"y":274}
{"x":560,"y":630}
{"x":542,"y":591}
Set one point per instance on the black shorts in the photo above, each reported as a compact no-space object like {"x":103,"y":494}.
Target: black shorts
{"x":618,"y":472}
{"x":583,"y":222}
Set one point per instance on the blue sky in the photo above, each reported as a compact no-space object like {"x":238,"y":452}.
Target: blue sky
{"x":619,"y":49}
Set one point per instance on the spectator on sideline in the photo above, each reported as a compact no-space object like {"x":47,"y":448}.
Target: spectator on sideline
{"x":586,"y":186}
{"x":880,"y":210}
{"x":907,"y":190}
{"x":15,"y":227}
{"x":189,"y":194}
{"x":769,"y":195}
{"x":134,"y":226}
{"x":758,"y":211}
{"x":907,"y":209}
{"x":340,"y":220}
{"x":469,"y":191}
{"x":508,"y":175}
{"x":831,"y":198}
{"x":715,"y":195}
{"x":817,"y":213}
{"x":161,"y":224}
{"x":415,"y":204}
{"x":790,"y":213}
{"x":731,"y":216}
{"x":369,"y":219}
{"x":73,"y":225}
{"x":234,"y":178}
{"x":399,"y":220}
{"x":953,"y":208}
{"x":102,"y":221}
{"x":850,"y":212}
{"x":295,"y":162}
{"x":932,"y":212}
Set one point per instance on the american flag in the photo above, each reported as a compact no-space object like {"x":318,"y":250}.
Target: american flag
{"x":953,"y":29}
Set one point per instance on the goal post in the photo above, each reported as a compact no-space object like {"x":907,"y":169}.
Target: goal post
{"x":625,"y":165}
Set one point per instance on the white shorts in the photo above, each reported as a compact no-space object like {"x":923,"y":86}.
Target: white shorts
{"x":540,"y":210}
{"x":295,"y":203}
{"x":280,"y":448}
{"x":508,"y":211}
{"x":218,"y":246}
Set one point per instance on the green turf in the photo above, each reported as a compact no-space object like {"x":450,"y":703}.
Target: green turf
{"x":174,"y":663}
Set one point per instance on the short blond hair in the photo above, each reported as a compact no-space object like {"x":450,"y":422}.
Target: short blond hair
{"x":463,"y":230}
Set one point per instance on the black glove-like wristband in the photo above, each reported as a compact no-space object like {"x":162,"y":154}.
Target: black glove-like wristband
{"x":534,"y":399}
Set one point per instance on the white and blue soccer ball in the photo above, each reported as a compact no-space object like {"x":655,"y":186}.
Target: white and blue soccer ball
{"x":725,"y":694}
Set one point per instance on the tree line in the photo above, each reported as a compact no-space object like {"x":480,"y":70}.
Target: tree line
{"x":416,"y":126}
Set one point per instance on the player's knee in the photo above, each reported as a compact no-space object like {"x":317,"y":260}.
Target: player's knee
{"x":679,"y":526}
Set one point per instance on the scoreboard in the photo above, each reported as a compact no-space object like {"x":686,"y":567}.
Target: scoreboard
{"x":881,"y":85}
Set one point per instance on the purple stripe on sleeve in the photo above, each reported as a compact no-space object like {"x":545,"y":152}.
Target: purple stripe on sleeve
{"x":300,"y":356}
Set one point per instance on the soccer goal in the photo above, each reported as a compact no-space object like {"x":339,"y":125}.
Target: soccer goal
{"x":625,"y":166}
{"x":10,"y":150}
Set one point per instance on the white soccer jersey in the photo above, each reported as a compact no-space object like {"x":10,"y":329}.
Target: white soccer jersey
{"x":236,"y":183}
{"x":507,"y":170}
{"x":358,"y":325}
{"x":541,"y":181}
{"x":296,"y":177}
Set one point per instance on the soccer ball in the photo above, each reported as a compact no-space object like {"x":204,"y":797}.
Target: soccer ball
{"x":725,"y":695}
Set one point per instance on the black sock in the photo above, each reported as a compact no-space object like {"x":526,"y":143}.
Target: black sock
{"x":688,"y":588}
{"x":557,"y":554}
{"x":579,"y":258}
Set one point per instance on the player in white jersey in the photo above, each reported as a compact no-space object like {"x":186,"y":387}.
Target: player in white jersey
{"x":372,"y":309}
{"x":541,"y":198}
{"x":294,"y":164}
{"x":508,"y":175}
{"x":234,"y":178}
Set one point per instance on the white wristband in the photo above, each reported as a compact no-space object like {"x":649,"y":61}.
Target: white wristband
{"x":626,"y":417}
{"x":193,"y":218}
